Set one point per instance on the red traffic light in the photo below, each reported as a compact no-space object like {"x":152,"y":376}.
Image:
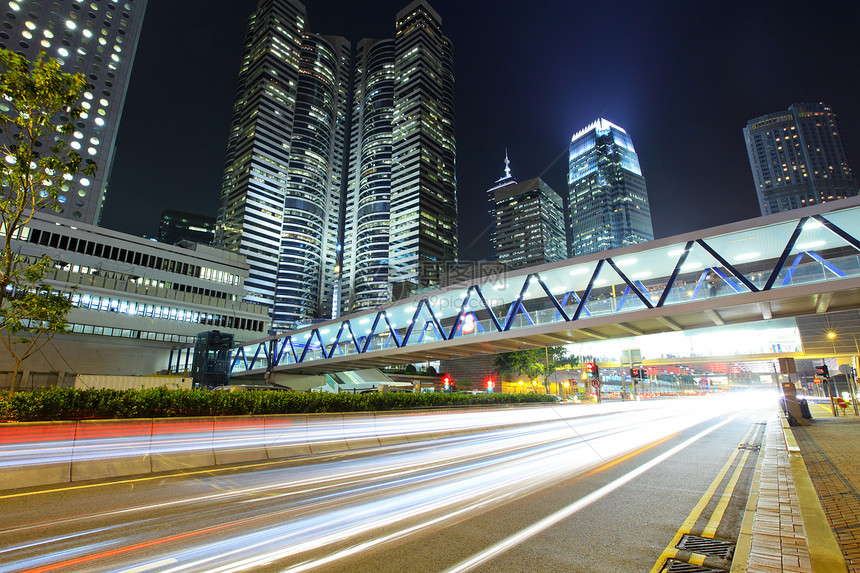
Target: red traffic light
{"x":822,"y":370}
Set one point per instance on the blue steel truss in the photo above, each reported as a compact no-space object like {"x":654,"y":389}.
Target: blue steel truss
{"x":542,"y":296}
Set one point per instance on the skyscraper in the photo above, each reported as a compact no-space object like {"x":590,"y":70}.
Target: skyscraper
{"x":608,"y":201}
{"x":797,"y":158}
{"x":308,"y":258}
{"x":288,"y":173}
{"x":99,"y":40}
{"x":366,"y":222}
{"x":528,"y":222}
{"x":423,"y":220}
{"x":254,"y":188}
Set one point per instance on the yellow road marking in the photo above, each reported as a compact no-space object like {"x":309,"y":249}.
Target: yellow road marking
{"x":685,"y":528}
{"x":717,"y":516}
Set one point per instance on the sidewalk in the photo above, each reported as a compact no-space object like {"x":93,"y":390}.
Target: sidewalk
{"x":804,"y":509}
{"x":831,"y":451}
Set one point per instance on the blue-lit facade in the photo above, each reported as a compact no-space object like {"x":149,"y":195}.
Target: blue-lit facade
{"x":608,"y":200}
{"x":797,"y":158}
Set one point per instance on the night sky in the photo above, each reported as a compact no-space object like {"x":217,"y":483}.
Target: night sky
{"x":682,"y":78}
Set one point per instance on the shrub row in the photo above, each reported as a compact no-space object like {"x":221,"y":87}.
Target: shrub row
{"x":73,"y":404}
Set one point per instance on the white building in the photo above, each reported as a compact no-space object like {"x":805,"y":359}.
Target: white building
{"x":133,"y":298}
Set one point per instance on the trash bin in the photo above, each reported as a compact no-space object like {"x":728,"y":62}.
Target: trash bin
{"x":804,"y":408}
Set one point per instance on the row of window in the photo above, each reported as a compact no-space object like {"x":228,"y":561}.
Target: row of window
{"x":64,"y":242}
{"x":128,"y":333}
{"x":107,"y":304}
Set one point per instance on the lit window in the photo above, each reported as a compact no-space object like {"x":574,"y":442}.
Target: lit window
{"x":85,"y":182}
{"x":70,"y":25}
{"x":63,"y":52}
{"x":30,"y":25}
{"x":75,"y":145}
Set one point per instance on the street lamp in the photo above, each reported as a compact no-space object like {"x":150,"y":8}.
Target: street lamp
{"x":851,"y":382}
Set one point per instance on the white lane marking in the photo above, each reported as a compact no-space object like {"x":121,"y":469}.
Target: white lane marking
{"x":148,"y":566}
{"x":562,"y":514}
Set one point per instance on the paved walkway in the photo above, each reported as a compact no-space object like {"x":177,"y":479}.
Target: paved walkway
{"x":803,"y":514}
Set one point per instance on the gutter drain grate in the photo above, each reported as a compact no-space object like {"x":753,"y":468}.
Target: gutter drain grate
{"x":750,"y":447}
{"x":707,"y":546}
{"x":675,"y":566}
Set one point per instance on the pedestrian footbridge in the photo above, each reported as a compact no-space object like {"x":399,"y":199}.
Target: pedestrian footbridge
{"x":788,"y":264}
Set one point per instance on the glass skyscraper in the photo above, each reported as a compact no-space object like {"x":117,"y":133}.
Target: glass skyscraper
{"x":364,"y":281}
{"x":322,"y":200}
{"x":797,"y":158}
{"x":99,"y":40}
{"x":423,"y":223}
{"x":608,"y":200}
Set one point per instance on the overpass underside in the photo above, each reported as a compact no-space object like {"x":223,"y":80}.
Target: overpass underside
{"x":799,"y":263}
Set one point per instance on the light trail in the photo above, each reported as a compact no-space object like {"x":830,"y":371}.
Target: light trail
{"x":302,"y":517}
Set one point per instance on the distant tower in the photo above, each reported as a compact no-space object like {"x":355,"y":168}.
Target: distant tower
{"x":797,"y":158}
{"x":183,"y":226}
{"x":608,"y":201}
{"x":423,"y":222}
{"x":528,"y":222}
{"x":98,"y":39}
{"x":505,"y":180}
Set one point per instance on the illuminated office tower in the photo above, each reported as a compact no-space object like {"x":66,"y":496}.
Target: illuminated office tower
{"x":423,"y":219}
{"x":308,"y":256}
{"x":528,"y":222}
{"x":99,"y":40}
{"x":365,"y":255}
{"x":504,"y":181}
{"x":254,"y":187}
{"x":797,"y":158}
{"x":608,"y":200}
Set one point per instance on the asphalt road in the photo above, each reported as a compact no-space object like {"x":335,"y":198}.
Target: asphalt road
{"x":606,"y":492}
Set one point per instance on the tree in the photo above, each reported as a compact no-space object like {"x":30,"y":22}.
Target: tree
{"x":534,"y":363}
{"x":38,"y":107}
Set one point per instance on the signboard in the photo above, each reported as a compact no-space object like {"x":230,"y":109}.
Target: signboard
{"x":595,"y":383}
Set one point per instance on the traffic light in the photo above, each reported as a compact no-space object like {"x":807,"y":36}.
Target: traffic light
{"x":490,"y":385}
{"x":446,"y":382}
{"x":590,"y":371}
{"x":821,"y":370}
{"x":635,"y":373}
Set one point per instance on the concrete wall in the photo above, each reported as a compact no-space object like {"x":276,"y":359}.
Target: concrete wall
{"x":79,"y":354}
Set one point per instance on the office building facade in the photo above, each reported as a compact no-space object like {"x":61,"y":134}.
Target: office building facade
{"x":608,"y":200}
{"x":99,"y":40}
{"x":528,"y":222}
{"x":797,"y":158}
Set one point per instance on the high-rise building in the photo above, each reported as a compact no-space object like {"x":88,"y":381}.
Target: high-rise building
{"x":528,"y":222}
{"x":179,"y":226}
{"x":256,"y":172}
{"x":99,"y":40}
{"x":608,"y":201}
{"x":290,"y":181}
{"x":797,"y":158}
{"x":365,"y":253}
{"x":423,"y":220}
{"x":308,"y":257}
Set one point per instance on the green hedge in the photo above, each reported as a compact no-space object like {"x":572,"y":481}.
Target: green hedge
{"x":73,"y":404}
